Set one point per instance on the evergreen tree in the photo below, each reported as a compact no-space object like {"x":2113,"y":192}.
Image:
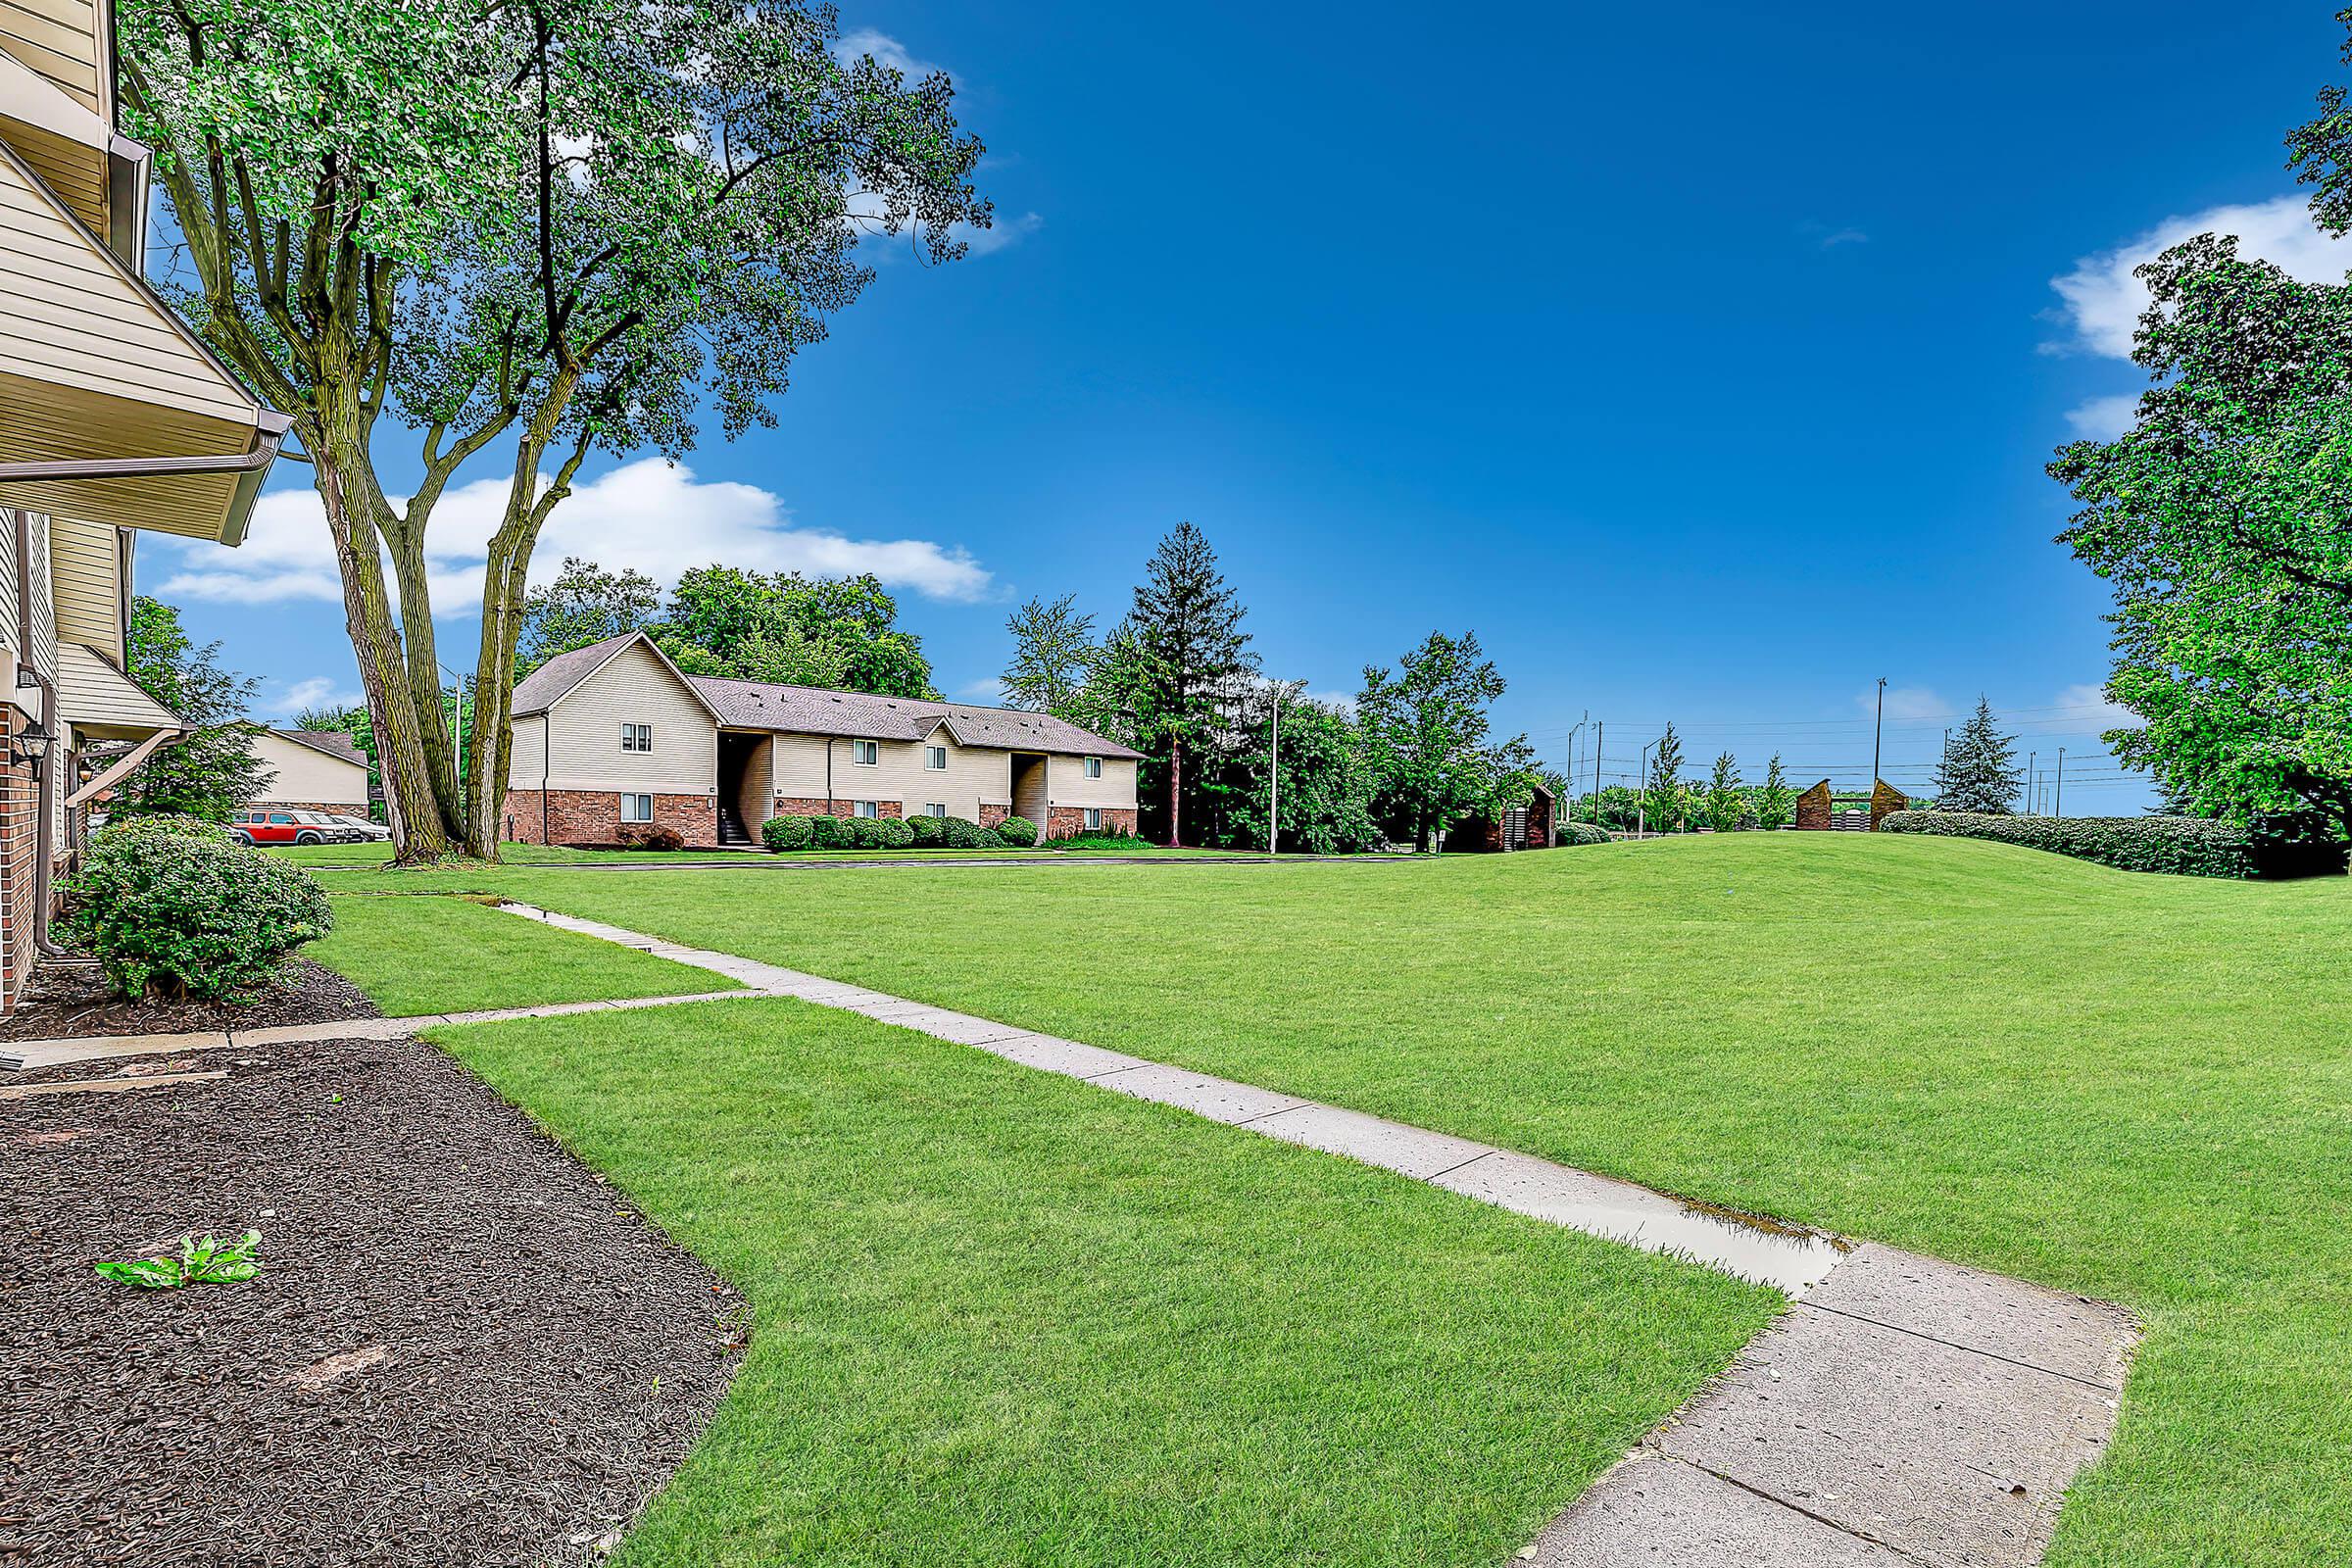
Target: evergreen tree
{"x":1726,"y":802}
{"x":1186,"y":626}
{"x":1979,"y":771}
{"x":1774,"y":799}
{"x":1665,"y":785}
{"x":212,"y":769}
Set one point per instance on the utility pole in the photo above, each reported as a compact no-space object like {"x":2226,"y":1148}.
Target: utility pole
{"x":1642,"y":794}
{"x":2029,"y":786}
{"x":1600,"y":733}
{"x":1875,"y":731}
{"x":2058,"y":798}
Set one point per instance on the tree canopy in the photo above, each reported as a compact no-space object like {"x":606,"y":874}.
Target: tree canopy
{"x":212,"y":769}
{"x":1979,"y":770}
{"x":1429,"y":733}
{"x":565,"y":227}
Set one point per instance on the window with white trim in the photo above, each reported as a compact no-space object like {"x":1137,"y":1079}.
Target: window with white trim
{"x":865,"y":754}
{"x":636,"y":737}
{"x":636,"y":808}
{"x":1093,"y":818}
{"x":935,"y":758}
{"x":868,"y":808}
{"x":1093,"y":767}
{"x":936,"y":808}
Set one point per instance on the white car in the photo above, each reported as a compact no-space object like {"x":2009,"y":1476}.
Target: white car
{"x":374,"y":832}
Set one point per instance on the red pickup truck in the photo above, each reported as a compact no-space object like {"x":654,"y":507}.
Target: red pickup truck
{"x":290,"y":827}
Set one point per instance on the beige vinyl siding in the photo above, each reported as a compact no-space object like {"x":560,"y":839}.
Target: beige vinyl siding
{"x":526,"y":757}
{"x":86,"y":571}
{"x":800,"y":765}
{"x":633,"y":687}
{"x":300,"y":773}
{"x":59,"y":39}
{"x":972,"y":774}
{"x":40,"y":637}
{"x":1115,"y":789}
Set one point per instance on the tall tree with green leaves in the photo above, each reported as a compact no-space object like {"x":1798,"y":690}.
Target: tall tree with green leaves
{"x":1185,"y":632}
{"x":1666,"y":802}
{"x":1979,"y":771}
{"x":213,"y":768}
{"x":584,"y":604}
{"x":801,"y":631}
{"x":1775,"y":802}
{"x":1428,"y":728}
{"x":1054,"y":655}
{"x":1725,"y":803}
{"x":557,"y":228}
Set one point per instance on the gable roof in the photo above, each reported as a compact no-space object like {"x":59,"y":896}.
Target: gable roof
{"x":325,"y":742}
{"x":864,"y":716}
{"x":543,"y":688}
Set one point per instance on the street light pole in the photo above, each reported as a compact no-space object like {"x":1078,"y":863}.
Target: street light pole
{"x":1601,"y":735}
{"x":1274,"y":771}
{"x":1874,"y":732}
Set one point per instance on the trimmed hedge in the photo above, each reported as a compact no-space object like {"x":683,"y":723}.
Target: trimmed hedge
{"x":897,"y":833}
{"x":1575,"y":833}
{"x":783,"y":833}
{"x":828,"y":832}
{"x":170,"y":911}
{"x":929,"y":831}
{"x":2180,"y":846}
{"x":1017,"y":832}
{"x":958,"y":833}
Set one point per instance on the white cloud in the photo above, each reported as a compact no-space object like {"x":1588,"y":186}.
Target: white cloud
{"x":1000,"y":233}
{"x":2088,"y":703}
{"x":2104,"y":301}
{"x":988,"y":691}
{"x":289,"y":698}
{"x":1904,"y":701}
{"x":645,"y":516}
{"x":2104,"y":418}
{"x":886,"y":50}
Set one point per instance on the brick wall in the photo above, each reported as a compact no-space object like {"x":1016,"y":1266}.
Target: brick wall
{"x":1813,"y":814}
{"x":19,"y":843}
{"x":993,"y":813}
{"x":1065,"y":821}
{"x":592,"y":816}
{"x":817,"y":805}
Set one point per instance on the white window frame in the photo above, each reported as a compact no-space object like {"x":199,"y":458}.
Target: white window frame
{"x":1093,"y":767}
{"x":870,"y":811}
{"x":935,"y":758}
{"x":1092,"y":821}
{"x":935,"y":808}
{"x":629,"y":734}
{"x":865,"y":754}
{"x":631,"y":798}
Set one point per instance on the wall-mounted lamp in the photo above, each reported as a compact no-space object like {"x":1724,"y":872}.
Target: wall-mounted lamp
{"x":30,"y":745}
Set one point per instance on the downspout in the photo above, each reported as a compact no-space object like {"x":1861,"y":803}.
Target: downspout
{"x":45,"y":792}
{"x":828,"y":775}
{"x":546,"y":739}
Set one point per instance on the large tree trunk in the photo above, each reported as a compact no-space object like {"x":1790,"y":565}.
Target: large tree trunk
{"x":1175,"y":791}
{"x":406,"y":547}
{"x":346,"y":489}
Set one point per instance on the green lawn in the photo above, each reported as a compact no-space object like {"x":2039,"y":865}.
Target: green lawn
{"x":2134,"y":1087}
{"x":1004,"y":1318}
{"x":375,"y":856}
{"x":422,"y":956}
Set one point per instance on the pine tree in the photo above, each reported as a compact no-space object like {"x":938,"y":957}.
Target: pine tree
{"x":212,"y":768}
{"x":1726,"y":800}
{"x":1774,"y":799}
{"x":1665,"y":803}
{"x":1979,"y":771}
{"x":1187,"y":625}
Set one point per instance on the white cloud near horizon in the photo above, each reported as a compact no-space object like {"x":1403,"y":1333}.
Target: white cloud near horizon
{"x":644,"y":515}
{"x":1904,"y":701}
{"x":2088,"y":702}
{"x":2104,"y":301}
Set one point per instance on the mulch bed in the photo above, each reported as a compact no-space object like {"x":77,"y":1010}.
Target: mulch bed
{"x":69,"y":1000}
{"x":463,"y":1347}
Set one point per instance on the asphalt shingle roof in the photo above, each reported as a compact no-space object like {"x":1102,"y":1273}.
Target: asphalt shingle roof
{"x":332,"y":743}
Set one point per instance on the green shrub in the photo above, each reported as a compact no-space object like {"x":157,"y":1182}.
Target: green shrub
{"x":1104,"y":838}
{"x":957,"y":833}
{"x":1017,"y":832}
{"x":782,"y":833}
{"x":828,"y":833}
{"x":926,"y":832}
{"x":897,"y":833}
{"x":1575,"y":833}
{"x":866,"y":833}
{"x":169,"y":914}
{"x":2183,"y":846}
{"x":162,"y":826}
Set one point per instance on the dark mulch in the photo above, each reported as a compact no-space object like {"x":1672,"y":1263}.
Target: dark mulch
{"x":67,"y":1001}
{"x":463,"y":1347}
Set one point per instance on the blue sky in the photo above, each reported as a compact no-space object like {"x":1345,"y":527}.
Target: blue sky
{"x":1702,"y":359}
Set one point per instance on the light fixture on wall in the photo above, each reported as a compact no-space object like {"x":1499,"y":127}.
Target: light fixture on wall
{"x":30,"y":745}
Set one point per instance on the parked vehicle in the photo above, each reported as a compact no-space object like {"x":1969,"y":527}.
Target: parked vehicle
{"x":292,"y":827}
{"x":370,"y":832}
